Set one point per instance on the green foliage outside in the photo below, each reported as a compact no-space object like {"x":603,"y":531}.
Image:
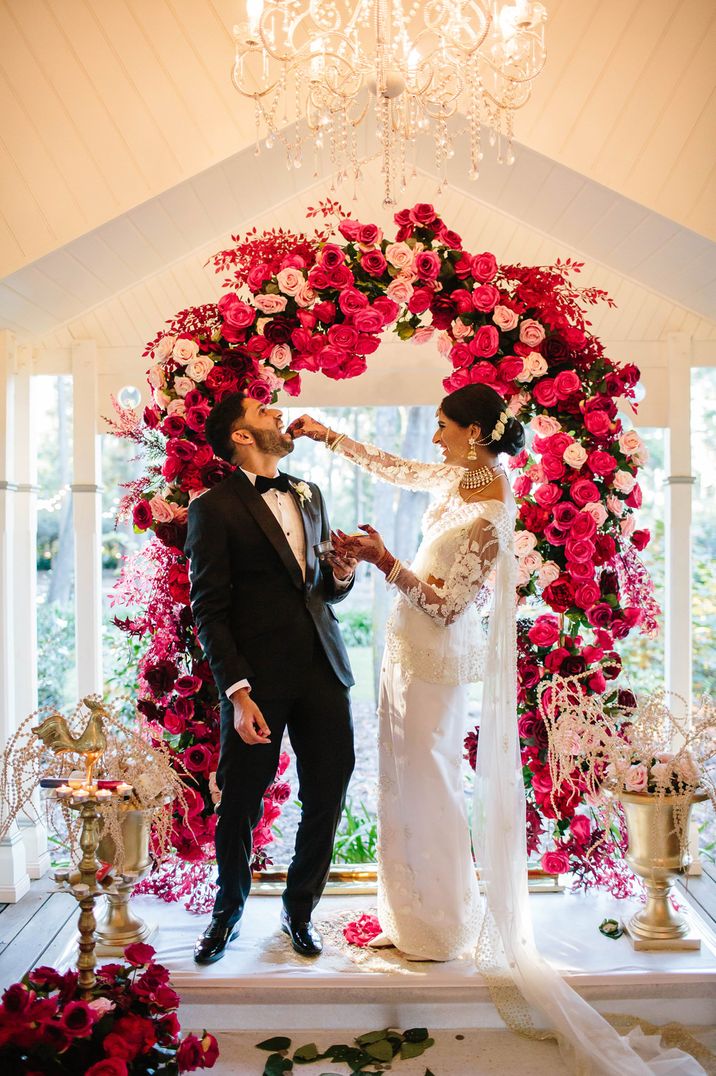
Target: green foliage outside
{"x":357,"y":837}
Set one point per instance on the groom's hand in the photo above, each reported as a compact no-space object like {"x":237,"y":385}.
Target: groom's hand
{"x":248,"y":720}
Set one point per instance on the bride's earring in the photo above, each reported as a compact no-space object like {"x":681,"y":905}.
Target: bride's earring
{"x":472,"y":454}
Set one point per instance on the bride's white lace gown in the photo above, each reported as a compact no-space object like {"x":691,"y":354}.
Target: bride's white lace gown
{"x":428,"y":900}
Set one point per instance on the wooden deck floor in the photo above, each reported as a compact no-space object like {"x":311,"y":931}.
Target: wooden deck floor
{"x":37,"y":930}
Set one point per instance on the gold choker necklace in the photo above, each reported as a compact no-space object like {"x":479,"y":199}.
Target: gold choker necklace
{"x":479,"y":477}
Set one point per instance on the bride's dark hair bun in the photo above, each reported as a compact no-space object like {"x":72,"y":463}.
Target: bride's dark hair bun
{"x":483,"y":406}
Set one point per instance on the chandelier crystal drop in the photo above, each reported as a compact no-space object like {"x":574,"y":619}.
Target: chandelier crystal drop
{"x":415,"y":66}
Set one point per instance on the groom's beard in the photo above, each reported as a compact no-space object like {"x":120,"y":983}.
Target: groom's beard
{"x":272,"y":442}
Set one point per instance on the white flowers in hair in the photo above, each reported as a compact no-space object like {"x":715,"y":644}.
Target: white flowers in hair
{"x":499,"y":427}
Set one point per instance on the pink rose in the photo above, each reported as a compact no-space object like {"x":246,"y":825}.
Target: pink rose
{"x":185,"y":348}
{"x":374,"y":263}
{"x":484,"y":267}
{"x":525,"y":542}
{"x":400,"y":291}
{"x":615,"y":506}
{"x":533,"y":365}
{"x":351,"y":300}
{"x":280,"y":356}
{"x":636,"y":778}
{"x":485,"y":342}
{"x":198,"y":368}
{"x":399,"y":255}
{"x":623,"y":481}
{"x":485,"y":297}
{"x":574,"y":455}
{"x":290,"y":280}
{"x":164,"y":348}
{"x":160,"y":509}
{"x":427,"y":265}
{"x":556,"y":862}
{"x":362,"y":930}
{"x":531,"y":332}
{"x":630,"y":443}
{"x":270,"y":304}
{"x":504,"y":318}
{"x":598,"y":513}
{"x":157,"y":377}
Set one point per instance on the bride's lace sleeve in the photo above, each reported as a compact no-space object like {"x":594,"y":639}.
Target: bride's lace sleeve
{"x":446,"y":599}
{"x":410,"y":474}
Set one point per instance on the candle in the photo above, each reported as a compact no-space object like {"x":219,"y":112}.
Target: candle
{"x":80,"y":795}
{"x":103,"y":794}
{"x":108,"y":784}
{"x":123,"y":788}
{"x":63,"y":791}
{"x":52,"y":782}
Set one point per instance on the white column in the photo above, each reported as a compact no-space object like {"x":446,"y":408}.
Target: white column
{"x":14,"y":879}
{"x":679,"y":489}
{"x":87,"y":514}
{"x":33,"y":831}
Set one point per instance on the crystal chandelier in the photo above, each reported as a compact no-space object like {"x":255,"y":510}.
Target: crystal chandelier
{"x":417,"y":67}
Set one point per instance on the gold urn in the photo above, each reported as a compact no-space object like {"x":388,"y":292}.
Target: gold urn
{"x":118,"y":926}
{"x":657,"y":855}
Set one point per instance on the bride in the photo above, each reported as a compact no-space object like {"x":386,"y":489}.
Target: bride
{"x":428,"y":902}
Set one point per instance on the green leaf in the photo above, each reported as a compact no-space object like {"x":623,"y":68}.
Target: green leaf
{"x":373,"y":1036}
{"x":415,"y":1034}
{"x":280,"y":1042}
{"x":306,"y":1053}
{"x":380,"y":1050}
{"x":277,"y":1065}
{"x":414,"y":1049}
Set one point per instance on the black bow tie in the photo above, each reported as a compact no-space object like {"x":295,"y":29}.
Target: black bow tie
{"x":280,"y":482}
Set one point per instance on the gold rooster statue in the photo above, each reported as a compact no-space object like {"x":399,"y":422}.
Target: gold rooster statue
{"x":92,"y":742}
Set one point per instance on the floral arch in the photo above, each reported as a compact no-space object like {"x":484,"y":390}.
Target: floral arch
{"x":320,"y":302}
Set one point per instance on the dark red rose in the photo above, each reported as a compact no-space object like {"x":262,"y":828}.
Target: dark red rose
{"x":605,"y":549}
{"x":573,"y":665}
{"x":17,"y":999}
{"x":553,"y":660}
{"x":178,"y":583}
{"x":109,"y":1066}
{"x":173,"y":426}
{"x":151,"y":417}
{"x":533,"y":517}
{"x":142,"y":515}
{"x":470,"y":744}
{"x":554,"y":349}
{"x":278,"y":330}
{"x":560,"y":594}
{"x":172,"y":535}
{"x":640,"y":539}
{"x":600,"y":615}
{"x":161,"y":676}
{"x":528,"y":675}
{"x":77,"y":1019}
{"x":443,"y":310}
{"x":190,"y":1055}
{"x":626,"y":699}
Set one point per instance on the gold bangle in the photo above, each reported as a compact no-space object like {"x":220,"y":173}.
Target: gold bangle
{"x":335,"y":442}
{"x":393,"y":573}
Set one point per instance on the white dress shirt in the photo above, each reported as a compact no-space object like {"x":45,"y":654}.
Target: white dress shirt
{"x":288,"y":515}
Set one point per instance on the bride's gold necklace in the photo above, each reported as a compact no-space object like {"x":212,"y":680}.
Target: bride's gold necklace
{"x":480,"y":477}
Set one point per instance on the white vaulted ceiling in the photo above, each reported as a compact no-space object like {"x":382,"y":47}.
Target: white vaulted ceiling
{"x":126,"y":159}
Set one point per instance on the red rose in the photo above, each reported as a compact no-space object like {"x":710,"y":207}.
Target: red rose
{"x":556,"y":862}
{"x":483,"y":373}
{"x":545,"y":631}
{"x":553,"y":660}
{"x":560,"y":594}
{"x":534,"y":518}
{"x":522,"y":485}
{"x":554,"y":534}
{"x":110,"y":1066}
{"x":485,"y":342}
{"x":460,"y":355}
{"x":388,"y":309}
{"x":139,"y":954}
{"x":526,"y":725}
{"x":597,"y":681}
{"x":374,"y":263}
{"x":586,"y":595}
{"x":173,"y":426}
{"x":235,"y":314}
{"x":142,"y":515}
{"x":544,"y":392}
{"x":640,"y":539}
{"x":548,"y":495}
{"x":427,"y":265}
{"x":368,"y":321}
{"x":584,"y":491}
{"x":449,"y":238}
{"x":600,"y":615}
{"x":485,"y":297}
{"x":484,"y":267}
{"x":190,"y":1055}
{"x":343,"y":336}
{"x":579,"y":549}
{"x":350,"y":230}
{"x":601,"y":463}
{"x":178,"y":583}
{"x":564,"y":515}
{"x":566,"y":384}
{"x":362,"y":930}
{"x":581,"y":829}
{"x":17,"y":999}
{"x":420,"y":300}
{"x":188,"y":685}
{"x":553,"y":467}
{"x":331,"y":257}
{"x":421,"y":214}
{"x":528,"y":675}
{"x":598,"y":424}
{"x":584,"y":526}
{"x":443,"y":310}
{"x":509,"y":368}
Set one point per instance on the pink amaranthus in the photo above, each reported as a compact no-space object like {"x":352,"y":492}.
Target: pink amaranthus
{"x":321,"y":302}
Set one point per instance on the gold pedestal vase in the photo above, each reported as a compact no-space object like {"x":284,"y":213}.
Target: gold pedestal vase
{"x":656,"y":855}
{"x":119,"y":926}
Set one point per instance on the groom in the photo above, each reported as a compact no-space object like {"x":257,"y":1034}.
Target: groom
{"x":262,"y":604}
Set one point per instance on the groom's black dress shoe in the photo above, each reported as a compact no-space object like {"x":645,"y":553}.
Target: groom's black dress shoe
{"x":304,"y":937}
{"x":221,"y":930}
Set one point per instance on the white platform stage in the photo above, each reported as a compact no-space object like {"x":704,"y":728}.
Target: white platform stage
{"x":262,"y":983}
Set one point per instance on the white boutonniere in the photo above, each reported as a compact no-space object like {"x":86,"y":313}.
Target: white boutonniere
{"x":302,"y":490}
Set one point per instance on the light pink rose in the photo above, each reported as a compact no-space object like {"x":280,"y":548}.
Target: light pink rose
{"x":290,"y":280}
{"x":165,"y":347}
{"x":597,"y":511}
{"x":630,"y":442}
{"x":460,"y":330}
{"x":545,"y":425}
{"x":280,"y":356}
{"x":533,"y":365}
{"x":517,"y":402}
{"x":525,"y":542}
{"x":185,"y":350}
{"x":574,"y":455}
{"x":101,"y":1005}
{"x":627,"y":526}
{"x":687,"y":768}
{"x":399,"y":255}
{"x":623,"y":481}
{"x":182,"y":385}
{"x":161,"y":509}
{"x":270,"y":304}
{"x":198,"y":368}
{"x":504,"y":318}
{"x":422,"y":335}
{"x":180,"y":512}
{"x":548,"y":573}
{"x":305,"y":296}
{"x":444,"y":344}
{"x":533,"y":561}
{"x":407,"y":275}
{"x":523,"y":574}
{"x":177,"y":407}
{"x":662,"y":773}
{"x":531,"y":332}
{"x":636,"y":778}
{"x":399,"y":290}
{"x":271,"y":378}
{"x":615,"y":506}
{"x":536,"y":473}
{"x":157,"y":377}
{"x":161,"y":399}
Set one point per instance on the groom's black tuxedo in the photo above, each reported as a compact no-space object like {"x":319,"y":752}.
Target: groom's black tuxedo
{"x":259,"y":620}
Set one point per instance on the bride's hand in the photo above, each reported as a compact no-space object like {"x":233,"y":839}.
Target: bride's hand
{"x":305,"y":426}
{"x":369,"y":546}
